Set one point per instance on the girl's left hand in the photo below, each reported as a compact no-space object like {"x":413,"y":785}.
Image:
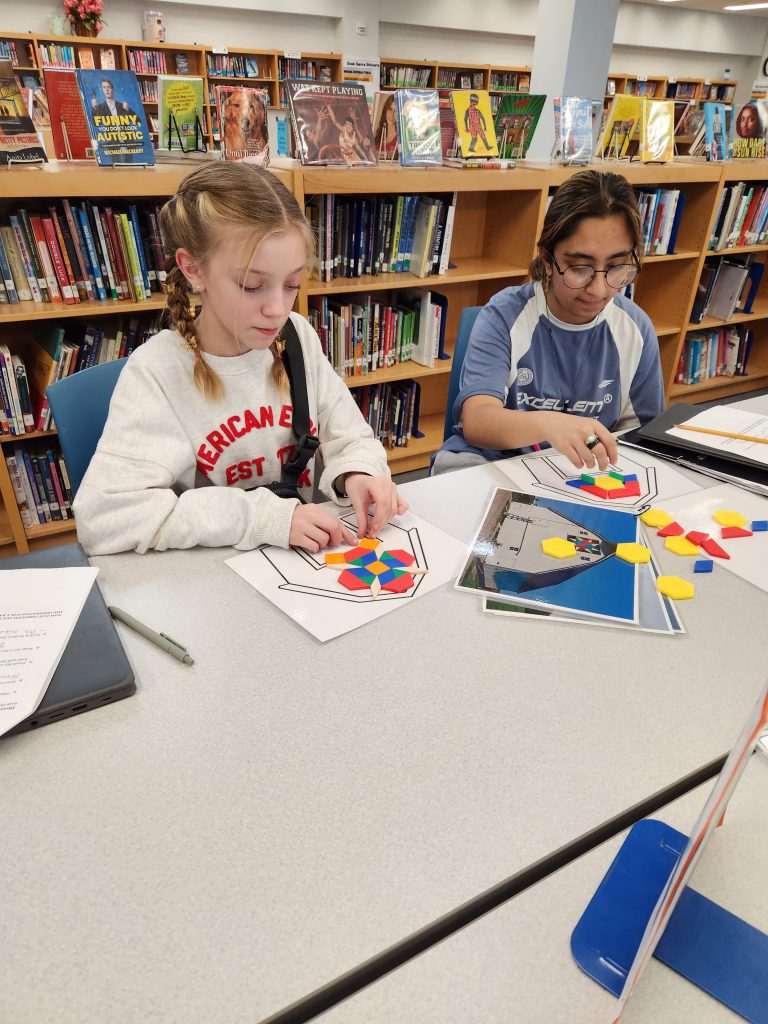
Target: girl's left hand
{"x":364,"y":491}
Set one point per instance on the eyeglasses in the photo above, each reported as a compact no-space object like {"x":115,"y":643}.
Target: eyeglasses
{"x":617,"y":276}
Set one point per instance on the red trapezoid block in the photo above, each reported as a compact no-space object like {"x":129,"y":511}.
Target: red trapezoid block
{"x":696,"y":537}
{"x":728,"y":532}
{"x":352,"y":582}
{"x":400,"y":584}
{"x":402,"y":556}
{"x":599,"y":491}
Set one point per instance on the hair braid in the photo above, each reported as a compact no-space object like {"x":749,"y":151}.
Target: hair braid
{"x":182,"y":313}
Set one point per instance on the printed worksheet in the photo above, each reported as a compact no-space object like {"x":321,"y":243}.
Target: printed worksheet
{"x":39,"y":610}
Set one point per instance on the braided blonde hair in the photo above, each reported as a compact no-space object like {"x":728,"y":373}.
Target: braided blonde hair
{"x":212,"y":199}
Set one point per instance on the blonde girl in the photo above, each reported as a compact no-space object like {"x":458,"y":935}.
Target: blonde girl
{"x":200,"y":420}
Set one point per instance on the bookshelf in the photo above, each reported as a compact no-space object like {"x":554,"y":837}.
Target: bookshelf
{"x":689,"y":89}
{"x":453,"y":75}
{"x":20,"y":50}
{"x":310,"y":67}
{"x":654,"y":88}
{"x":397,"y":73}
{"x":499,"y":215}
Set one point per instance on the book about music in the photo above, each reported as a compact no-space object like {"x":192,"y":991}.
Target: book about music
{"x":115,"y":115}
{"x":19,"y":142}
{"x":749,"y":130}
{"x":418,"y":118}
{"x":331,"y":123}
{"x":69,"y":126}
{"x":242,"y":118}
{"x":657,"y":131}
{"x":622,"y":122}
{"x":716,"y":131}
{"x":180,"y":113}
{"x":474,"y":123}
{"x":516,"y":120}
{"x":573,"y":129}
{"x":385,"y":126}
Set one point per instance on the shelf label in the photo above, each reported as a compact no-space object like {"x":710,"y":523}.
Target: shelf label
{"x":220,"y":49}
{"x":642,"y":78}
{"x":292,"y":54}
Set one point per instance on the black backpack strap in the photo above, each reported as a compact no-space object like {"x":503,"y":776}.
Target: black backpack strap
{"x":306,"y":444}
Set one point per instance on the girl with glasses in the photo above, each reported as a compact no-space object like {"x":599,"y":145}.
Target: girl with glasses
{"x":567,"y":359}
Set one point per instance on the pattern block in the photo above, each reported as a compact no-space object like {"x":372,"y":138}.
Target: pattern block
{"x":675,"y":587}
{"x":558,"y":547}
{"x":656,"y":518}
{"x":368,"y":567}
{"x":681,"y":546}
{"x":635,"y":553}
{"x":727,"y":517}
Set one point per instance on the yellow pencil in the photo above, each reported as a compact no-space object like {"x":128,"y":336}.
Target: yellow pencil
{"x":724,"y":433}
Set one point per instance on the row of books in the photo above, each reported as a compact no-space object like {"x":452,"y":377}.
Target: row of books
{"x":374,"y":332}
{"x":392,"y":410}
{"x":381,"y":234}
{"x":55,"y":55}
{"x":510,"y":81}
{"x":9,"y":52}
{"x":81,"y":253}
{"x":148,"y":89}
{"x":461,"y":80}
{"x":40,"y":483}
{"x":148,"y":62}
{"x":652,"y":122}
{"x":642,"y":87}
{"x":224,"y":65}
{"x":59,"y":353}
{"x":681,"y":90}
{"x":296,"y":67}
{"x":722,"y":284}
{"x":661,"y":210}
{"x":405,"y":76}
{"x":742,"y":216}
{"x":720,"y":353}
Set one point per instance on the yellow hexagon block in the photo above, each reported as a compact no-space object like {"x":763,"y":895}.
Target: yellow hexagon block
{"x":557,"y":547}
{"x":657,"y":518}
{"x":608,"y":483}
{"x":727,"y":517}
{"x":675,"y":587}
{"x":634,"y":553}
{"x":681,"y":546}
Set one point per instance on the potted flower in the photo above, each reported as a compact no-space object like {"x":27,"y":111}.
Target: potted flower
{"x":85,"y":16}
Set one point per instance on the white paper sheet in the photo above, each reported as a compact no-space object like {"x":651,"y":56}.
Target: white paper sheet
{"x":749,"y":555}
{"x":546,"y":474}
{"x":302,"y":586}
{"x":38,"y":611}
{"x":733,"y":421}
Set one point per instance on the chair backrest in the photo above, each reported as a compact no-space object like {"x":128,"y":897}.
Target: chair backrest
{"x":466,"y":323}
{"x":80,"y":404}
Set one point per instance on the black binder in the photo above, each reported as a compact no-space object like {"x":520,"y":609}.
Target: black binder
{"x":94,"y":669}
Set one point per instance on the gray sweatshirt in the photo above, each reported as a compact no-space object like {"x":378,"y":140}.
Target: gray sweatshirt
{"x":174,"y":469}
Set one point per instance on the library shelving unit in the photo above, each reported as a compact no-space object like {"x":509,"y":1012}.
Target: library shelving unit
{"x":652,"y":86}
{"x":754,"y":172}
{"x":21,"y":322}
{"x":310,"y":67}
{"x":20,"y":50}
{"x":67,"y":51}
{"x":485,"y":256}
{"x":685,"y":89}
{"x":453,"y":75}
{"x":225,"y":66}
{"x":402,"y":73}
{"x":509,"y":79}
{"x":721,"y":89}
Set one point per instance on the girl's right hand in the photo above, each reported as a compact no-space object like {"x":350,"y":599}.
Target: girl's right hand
{"x":313,"y":528}
{"x":569,"y":433}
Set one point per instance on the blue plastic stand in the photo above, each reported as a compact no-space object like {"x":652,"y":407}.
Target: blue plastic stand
{"x":706,"y":944}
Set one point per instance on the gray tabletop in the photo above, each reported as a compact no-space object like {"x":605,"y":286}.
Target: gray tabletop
{"x":241,"y":832}
{"x":515,"y":963}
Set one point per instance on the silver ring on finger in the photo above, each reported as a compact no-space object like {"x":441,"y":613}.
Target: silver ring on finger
{"x":592,"y":441}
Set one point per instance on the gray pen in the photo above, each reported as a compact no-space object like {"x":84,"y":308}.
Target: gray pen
{"x":161,"y":640}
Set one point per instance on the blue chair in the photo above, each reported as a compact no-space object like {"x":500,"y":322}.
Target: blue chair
{"x":466,"y":323}
{"x":80,"y":404}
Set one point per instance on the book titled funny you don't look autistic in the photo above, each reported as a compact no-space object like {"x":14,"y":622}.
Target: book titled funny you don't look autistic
{"x":116,"y":121}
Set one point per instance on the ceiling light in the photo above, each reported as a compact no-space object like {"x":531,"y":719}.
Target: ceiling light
{"x":741,"y":7}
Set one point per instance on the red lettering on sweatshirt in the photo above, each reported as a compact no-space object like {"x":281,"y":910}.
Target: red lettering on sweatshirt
{"x":236,"y":427}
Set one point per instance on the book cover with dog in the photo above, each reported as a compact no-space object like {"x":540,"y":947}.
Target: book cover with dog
{"x":242,"y":116}
{"x":331,"y":123}
{"x":116,"y":120}
{"x":180,"y":113}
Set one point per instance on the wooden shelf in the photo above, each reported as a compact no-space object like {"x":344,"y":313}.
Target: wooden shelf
{"x":52,"y":529}
{"x":477,"y":269}
{"x":419,"y":449}
{"x":23,"y":311}
{"x":31,"y":436}
{"x":724,"y":386}
{"x":759,"y":312}
{"x":400,"y":371}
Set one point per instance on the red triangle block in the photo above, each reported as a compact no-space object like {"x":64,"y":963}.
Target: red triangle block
{"x":713,"y":549}
{"x":673,"y":530}
{"x":696,"y":536}
{"x":728,"y":532}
